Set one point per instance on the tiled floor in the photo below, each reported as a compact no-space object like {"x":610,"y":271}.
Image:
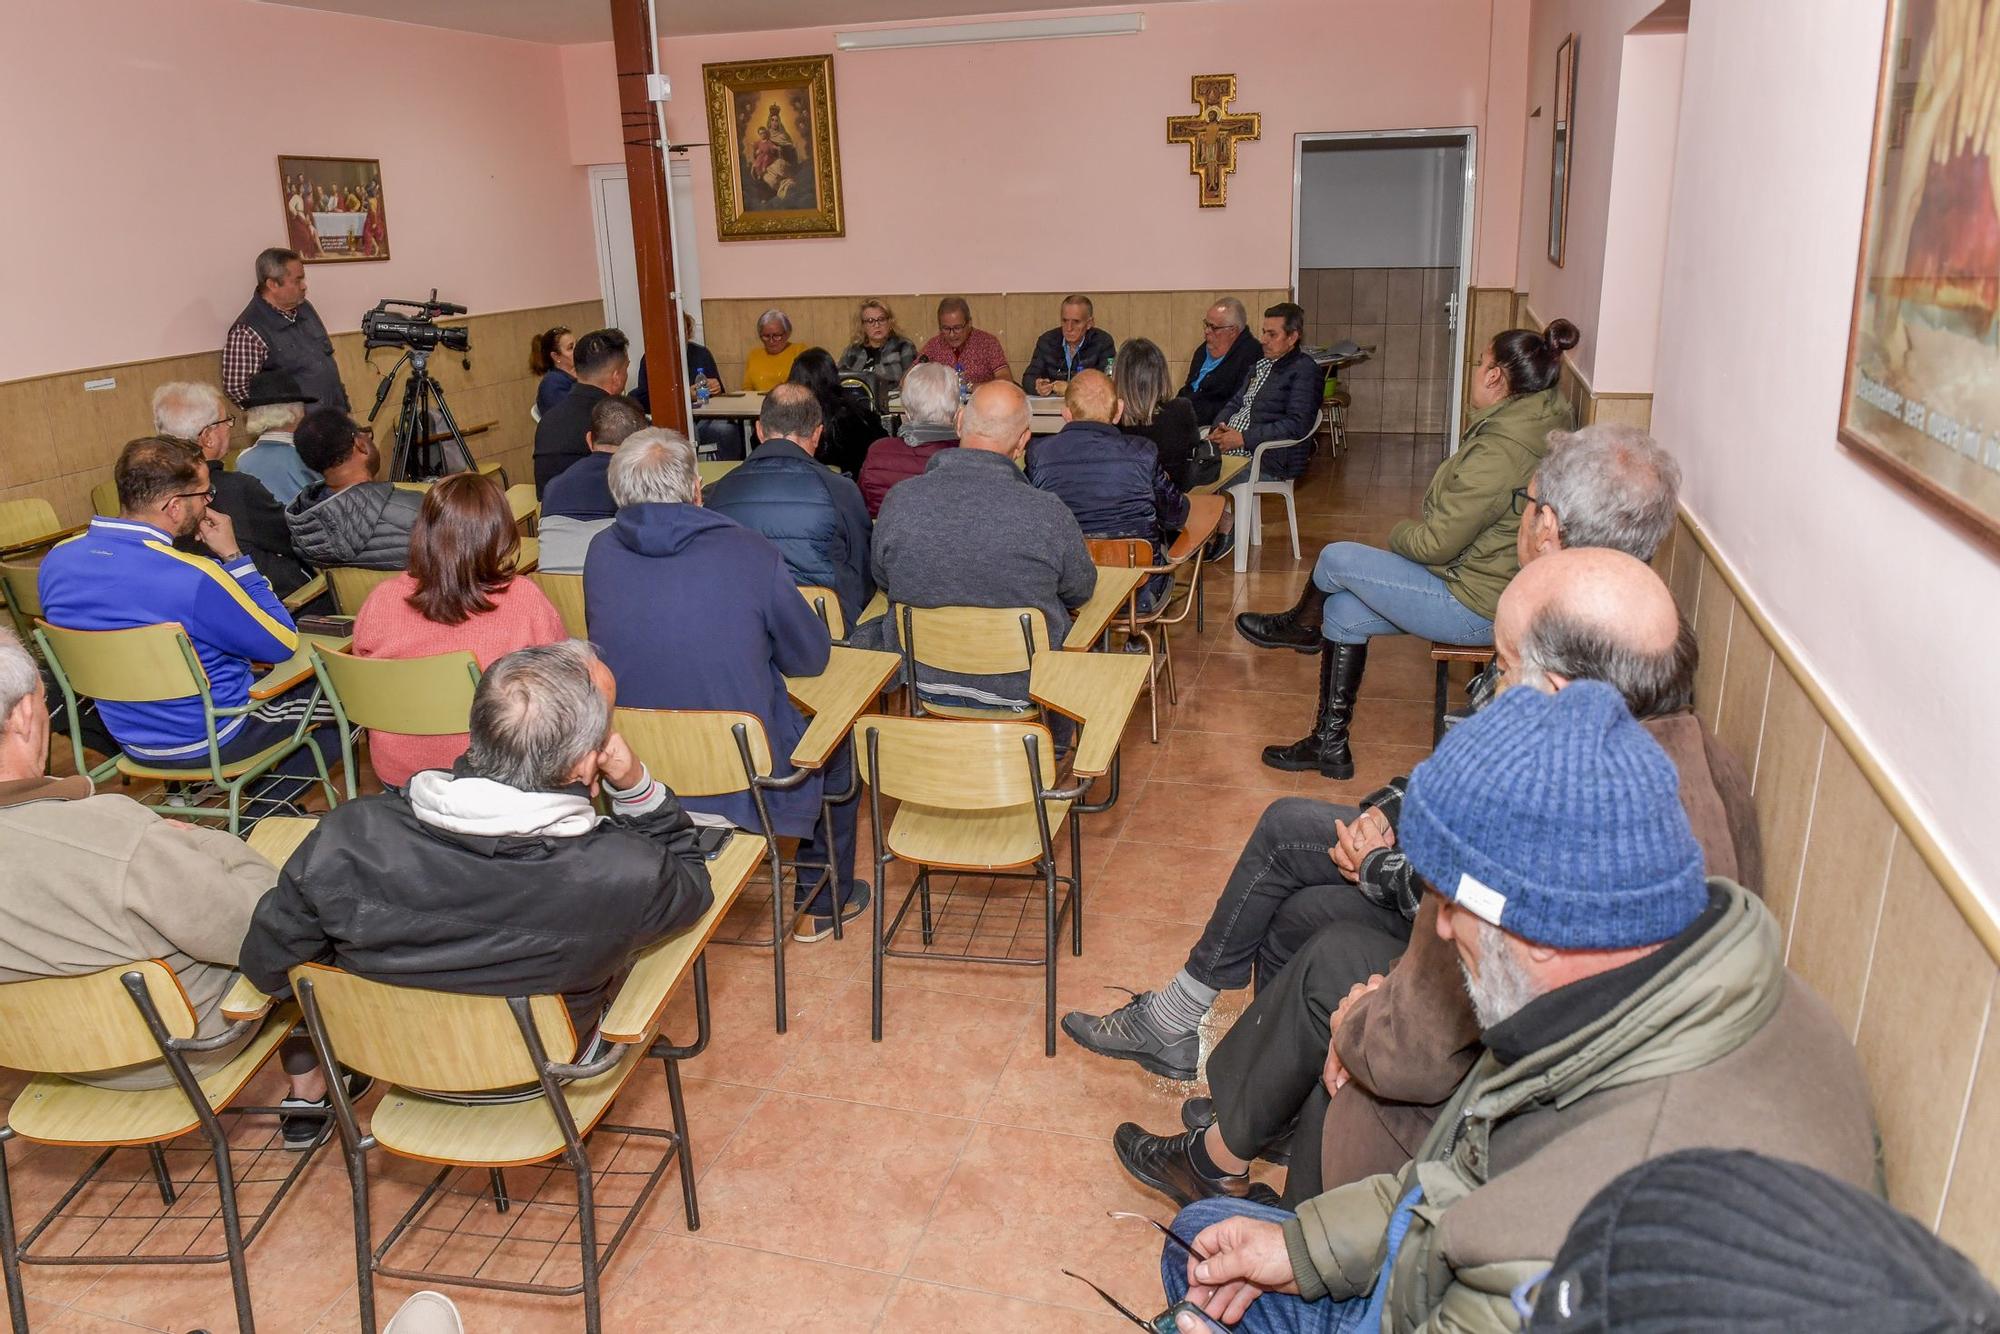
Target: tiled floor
{"x":943,"y":1178}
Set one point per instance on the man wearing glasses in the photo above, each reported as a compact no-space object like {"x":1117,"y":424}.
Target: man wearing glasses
{"x":199,"y":415}
{"x":975,"y":354}
{"x":1220,"y":365}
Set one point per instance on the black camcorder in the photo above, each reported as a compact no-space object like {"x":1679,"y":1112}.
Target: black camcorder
{"x":413,"y":325}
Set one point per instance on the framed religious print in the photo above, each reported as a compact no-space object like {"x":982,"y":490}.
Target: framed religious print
{"x":334,"y":208}
{"x":774,"y":149}
{"x":1562,"y":126}
{"x":1921,"y":397}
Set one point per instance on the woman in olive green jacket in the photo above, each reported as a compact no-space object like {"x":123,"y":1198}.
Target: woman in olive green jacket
{"x":1442,"y":574}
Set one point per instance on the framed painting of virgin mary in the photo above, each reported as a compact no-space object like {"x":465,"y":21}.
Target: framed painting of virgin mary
{"x":774,"y":149}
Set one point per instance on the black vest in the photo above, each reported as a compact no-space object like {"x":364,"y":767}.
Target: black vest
{"x":299,"y":346}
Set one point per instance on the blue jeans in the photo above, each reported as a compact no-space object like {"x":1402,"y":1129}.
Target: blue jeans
{"x":1274,"y":1312}
{"x":1376,"y":592}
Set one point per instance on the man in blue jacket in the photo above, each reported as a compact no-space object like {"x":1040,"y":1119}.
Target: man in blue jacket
{"x":1279,"y":401}
{"x":816,"y":517}
{"x":692,"y":610}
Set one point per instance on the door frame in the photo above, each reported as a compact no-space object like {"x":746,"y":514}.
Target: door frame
{"x":1469,"y":135}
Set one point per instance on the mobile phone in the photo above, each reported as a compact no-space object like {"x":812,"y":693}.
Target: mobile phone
{"x":710,"y":838}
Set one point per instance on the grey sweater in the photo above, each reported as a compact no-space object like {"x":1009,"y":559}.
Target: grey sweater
{"x":972,"y":532}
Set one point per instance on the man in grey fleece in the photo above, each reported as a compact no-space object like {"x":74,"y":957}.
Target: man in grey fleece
{"x":971,"y":532}
{"x":349,"y":518}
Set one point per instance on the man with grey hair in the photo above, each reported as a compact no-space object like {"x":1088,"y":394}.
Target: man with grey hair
{"x":280,"y":330}
{"x":1222,"y":362}
{"x":498,"y":877}
{"x":199,"y":415}
{"x":1075,"y":344}
{"x":930,"y":426}
{"x":1602,"y":486}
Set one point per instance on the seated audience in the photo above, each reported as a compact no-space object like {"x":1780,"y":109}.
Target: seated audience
{"x":695,"y":611}
{"x":1590,"y":614}
{"x":973,"y":532}
{"x":930,"y":425}
{"x":1075,"y":344}
{"x":552,"y":357}
{"x":601,"y":365}
{"x":1616,"y":489}
{"x":1442,"y":574}
{"x":1629,"y":1006}
{"x":460,"y":592}
{"x":1146,"y":410}
{"x":851,"y":425}
{"x":348,"y":517}
{"x":273,"y":409}
{"x":879,"y":351}
{"x":99,"y":881}
{"x":1279,"y":398}
{"x":124,"y":572}
{"x":700,"y":371}
{"x":199,"y":415}
{"x":577,"y":505}
{"x":497,"y":877}
{"x":814,"y":516}
{"x":1222,"y":363}
{"x":975,"y":354}
{"x":767,"y":365}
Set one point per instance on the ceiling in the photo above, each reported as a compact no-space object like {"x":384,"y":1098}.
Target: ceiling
{"x":567,"y":21}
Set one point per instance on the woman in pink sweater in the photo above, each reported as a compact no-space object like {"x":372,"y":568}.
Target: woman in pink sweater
{"x":460,"y":592}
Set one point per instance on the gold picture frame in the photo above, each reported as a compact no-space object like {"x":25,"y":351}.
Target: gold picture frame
{"x":774,"y":149}
{"x":1920,"y":396}
{"x":1562,"y":143}
{"x":334,"y":208}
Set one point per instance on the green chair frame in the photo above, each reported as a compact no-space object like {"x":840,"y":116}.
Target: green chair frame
{"x":415,"y":696}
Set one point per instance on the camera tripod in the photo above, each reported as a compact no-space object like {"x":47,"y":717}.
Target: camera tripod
{"x":421,"y":454}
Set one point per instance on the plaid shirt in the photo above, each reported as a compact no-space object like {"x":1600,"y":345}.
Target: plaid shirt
{"x":1241,"y":420}
{"x":981,"y":359}
{"x":243,"y":354}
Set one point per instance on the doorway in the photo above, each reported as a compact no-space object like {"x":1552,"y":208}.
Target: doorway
{"x":1381,"y":254}
{"x":617,"y":260}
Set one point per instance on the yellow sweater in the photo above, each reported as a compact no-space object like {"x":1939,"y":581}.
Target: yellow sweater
{"x":763,"y":372}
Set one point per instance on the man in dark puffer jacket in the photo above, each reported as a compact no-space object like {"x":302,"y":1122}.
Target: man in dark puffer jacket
{"x":348,"y":518}
{"x":815,"y":516}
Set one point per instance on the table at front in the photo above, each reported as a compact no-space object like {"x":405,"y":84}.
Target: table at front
{"x":297,"y":668}
{"x":736,"y":406}
{"x":836,"y":697}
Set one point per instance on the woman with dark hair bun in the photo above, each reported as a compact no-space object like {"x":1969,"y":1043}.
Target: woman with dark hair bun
{"x":1442,"y":575}
{"x":552,"y":355}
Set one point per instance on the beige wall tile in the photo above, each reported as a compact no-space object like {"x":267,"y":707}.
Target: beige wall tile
{"x":1929,"y":987}
{"x":1714,"y":616}
{"x":1786,"y":777}
{"x":1841,"y":884}
{"x":1371,"y":296}
{"x":1969,"y":1219}
{"x":1685,"y":579}
{"x":1663,"y":559}
{"x":1746,"y":680}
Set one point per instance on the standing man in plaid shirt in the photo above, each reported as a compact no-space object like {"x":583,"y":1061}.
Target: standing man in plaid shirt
{"x":280,"y":330}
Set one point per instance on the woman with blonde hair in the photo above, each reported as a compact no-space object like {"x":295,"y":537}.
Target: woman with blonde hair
{"x":878,"y":351}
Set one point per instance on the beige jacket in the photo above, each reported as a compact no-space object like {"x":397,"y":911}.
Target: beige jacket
{"x":96,"y":881}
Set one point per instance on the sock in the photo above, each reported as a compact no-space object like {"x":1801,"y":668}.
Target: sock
{"x":1181,"y":1005}
{"x":1206,"y":1165}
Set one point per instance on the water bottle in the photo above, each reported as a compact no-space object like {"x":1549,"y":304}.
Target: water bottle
{"x":701,"y":392}
{"x":964,"y":389}
{"x":1111,"y":364}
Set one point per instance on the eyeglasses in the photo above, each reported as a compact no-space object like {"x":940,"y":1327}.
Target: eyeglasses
{"x":1216,"y":328}
{"x":951,"y":328}
{"x":1522,"y":500}
{"x":219,"y":421}
{"x":190,"y":495}
{"x":874,"y":319}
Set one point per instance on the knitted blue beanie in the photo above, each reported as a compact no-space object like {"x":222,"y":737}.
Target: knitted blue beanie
{"x":1557,"y":818}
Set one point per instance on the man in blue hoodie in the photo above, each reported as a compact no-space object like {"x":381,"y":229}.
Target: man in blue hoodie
{"x":691,"y":610}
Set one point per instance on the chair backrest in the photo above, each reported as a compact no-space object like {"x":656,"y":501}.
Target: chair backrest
{"x":414,"y":696}
{"x":565,"y":594}
{"x":1257,"y":454}
{"x":20,"y":584}
{"x":529,"y":556}
{"x":975,"y":641}
{"x":69,"y":1025}
{"x":714,"y":470}
{"x":438,"y":1040}
{"x":523,"y":503}
{"x":694,"y":751}
{"x":413,"y":486}
{"x":25,"y":520}
{"x":104,"y":498}
{"x":277,"y":837}
{"x":352,"y":585}
{"x":951,"y":765}
{"x":1124,"y":553}
{"x":827,"y":603}
{"x":862,"y":389}
{"x":137,"y":666}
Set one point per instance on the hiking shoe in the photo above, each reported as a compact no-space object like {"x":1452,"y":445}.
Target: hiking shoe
{"x":818,"y":926}
{"x":306,"y":1122}
{"x":1128,"y":1033}
{"x":1198,"y":1113}
{"x":1163,"y":1162}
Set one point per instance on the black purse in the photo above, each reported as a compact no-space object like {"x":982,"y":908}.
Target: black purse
{"x":1205,"y":465}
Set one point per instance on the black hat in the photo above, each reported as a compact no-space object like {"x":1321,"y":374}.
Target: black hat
{"x":274,"y":386}
{"x":1729,"y":1240}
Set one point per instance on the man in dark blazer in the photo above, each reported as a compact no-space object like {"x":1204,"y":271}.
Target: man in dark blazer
{"x":1220,"y":365}
{"x":603,"y":365}
{"x":1280,"y":399}
{"x":1077,"y":344}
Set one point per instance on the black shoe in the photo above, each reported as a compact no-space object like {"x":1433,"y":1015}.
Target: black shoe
{"x":306,"y":1124}
{"x":818,"y":926}
{"x":1297,"y":627}
{"x":1325,"y":748}
{"x":1259,"y":1193}
{"x":1164,"y":1163}
{"x":1198,"y":1113}
{"x":1219,"y":547}
{"x":1128,"y":1033}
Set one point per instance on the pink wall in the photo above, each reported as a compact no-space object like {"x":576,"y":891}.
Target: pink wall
{"x":1891,"y":607}
{"x":1641,"y":200}
{"x":148,"y":134}
{"x":1043,"y":165}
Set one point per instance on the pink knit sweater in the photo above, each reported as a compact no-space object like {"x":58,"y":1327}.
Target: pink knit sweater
{"x":389,"y":627}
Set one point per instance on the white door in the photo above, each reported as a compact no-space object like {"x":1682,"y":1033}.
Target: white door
{"x":617,"y":261}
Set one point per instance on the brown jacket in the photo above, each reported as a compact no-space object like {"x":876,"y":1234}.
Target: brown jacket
{"x":97,"y":881}
{"x":1409,"y":1043}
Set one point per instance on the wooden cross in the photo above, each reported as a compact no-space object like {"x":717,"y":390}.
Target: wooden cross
{"x":1212,"y":133}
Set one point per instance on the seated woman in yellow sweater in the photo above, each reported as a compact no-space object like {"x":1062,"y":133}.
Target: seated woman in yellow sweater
{"x":767,"y":367}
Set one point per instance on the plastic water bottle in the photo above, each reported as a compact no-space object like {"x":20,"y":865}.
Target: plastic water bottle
{"x":964,"y":389}
{"x":701,"y":392}
{"x":1111,"y":364}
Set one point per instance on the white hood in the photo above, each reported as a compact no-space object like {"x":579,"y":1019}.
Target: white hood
{"x":483,"y":807}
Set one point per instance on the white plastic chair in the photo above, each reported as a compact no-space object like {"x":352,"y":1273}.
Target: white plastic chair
{"x":1243,"y":497}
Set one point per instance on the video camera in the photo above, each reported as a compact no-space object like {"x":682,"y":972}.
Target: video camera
{"x":414,"y":326}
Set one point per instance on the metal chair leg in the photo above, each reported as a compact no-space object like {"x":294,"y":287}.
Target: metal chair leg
{"x":778,"y":928}
{"x":691,"y":1206}
{"x":586,"y":1226}
{"x":499,"y":1182}
{"x":1440,"y":696}
{"x":364,"y":1251}
{"x":10,"y":1255}
{"x":161,"y":1176}
{"x":924,"y":897}
{"x":1076,"y":886}
{"x":1049,"y":954}
{"x":232,"y":1229}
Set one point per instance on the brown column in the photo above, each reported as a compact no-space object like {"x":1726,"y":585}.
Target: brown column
{"x":652,"y":220}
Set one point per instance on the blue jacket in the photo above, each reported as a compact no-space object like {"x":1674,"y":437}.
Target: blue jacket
{"x":554,"y":384}
{"x":1111,"y":481}
{"x":1284,"y":409}
{"x":120,"y":573}
{"x":1049,"y":361}
{"x":691,"y":610}
{"x":700,"y":361}
{"x":582,"y":490}
{"x":816,"y":516}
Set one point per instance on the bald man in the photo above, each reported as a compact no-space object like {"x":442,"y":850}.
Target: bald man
{"x":1392,"y":1031}
{"x":1112,"y":482}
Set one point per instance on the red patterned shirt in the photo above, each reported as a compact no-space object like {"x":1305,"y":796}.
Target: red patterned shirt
{"x":981,"y":359}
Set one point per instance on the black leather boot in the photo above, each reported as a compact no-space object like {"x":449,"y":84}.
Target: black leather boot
{"x":1296,"y":627}
{"x":1325,"y":747}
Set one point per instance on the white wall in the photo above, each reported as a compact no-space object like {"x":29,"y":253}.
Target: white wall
{"x":1364,"y":207}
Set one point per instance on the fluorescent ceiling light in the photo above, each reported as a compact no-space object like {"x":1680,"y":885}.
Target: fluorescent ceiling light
{"x":998,"y":30}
